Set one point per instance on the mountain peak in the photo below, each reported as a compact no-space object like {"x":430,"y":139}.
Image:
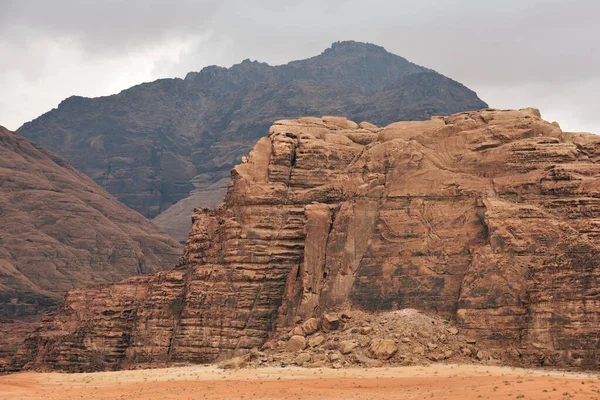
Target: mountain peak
{"x":186,"y":135}
{"x":353,"y":47}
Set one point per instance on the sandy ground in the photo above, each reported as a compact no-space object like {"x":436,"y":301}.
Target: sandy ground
{"x":197,"y":382}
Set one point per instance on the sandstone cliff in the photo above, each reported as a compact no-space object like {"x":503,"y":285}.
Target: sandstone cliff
{"x":59,"y":230}
{"x":487,"y":218}
{"x":157,"y":143}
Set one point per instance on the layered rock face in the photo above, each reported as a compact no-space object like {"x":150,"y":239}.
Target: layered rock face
{"x":168,"y":146}
{"x":487,"y":218}
{"x":59,"y":230}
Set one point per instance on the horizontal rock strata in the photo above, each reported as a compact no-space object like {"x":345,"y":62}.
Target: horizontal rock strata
{"x":486,"y":218}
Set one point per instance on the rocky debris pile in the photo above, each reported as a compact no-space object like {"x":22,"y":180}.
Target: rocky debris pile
{"x":362,"y":339}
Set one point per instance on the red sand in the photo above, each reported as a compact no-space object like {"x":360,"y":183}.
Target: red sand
{"x":433,"y":382}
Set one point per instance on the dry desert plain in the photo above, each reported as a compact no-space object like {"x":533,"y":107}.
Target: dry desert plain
{"x":201,"y":382}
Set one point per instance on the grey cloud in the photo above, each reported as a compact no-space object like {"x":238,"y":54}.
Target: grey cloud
{"x":544,"y":52}
{"x":102,"y":26}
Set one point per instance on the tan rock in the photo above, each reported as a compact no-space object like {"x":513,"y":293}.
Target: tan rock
{"x":310,"y":326}
{"x":270,"y":345}
{"x":330,"y":322}
{"x":340,"y":122}
{"x":437,"y":356}
{"x":365,"y":330}
{"x":368,"y":126}
{"x":297,"y":331}
{"x":296,"y":343}
{"x":347,"y":346}
{"x":316,"y":341}
{"x":302,"y":358}
{"x":420,"y":350}
{"x":381,"y":349}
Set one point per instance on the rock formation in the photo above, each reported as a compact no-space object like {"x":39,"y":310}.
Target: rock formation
{"x":489,"y":219}
{"x":59,"y":230}
{"x":157,"y":143}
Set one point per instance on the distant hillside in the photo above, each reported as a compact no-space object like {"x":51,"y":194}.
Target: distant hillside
{"x":59,"y":231}
{"x":158,"y":143}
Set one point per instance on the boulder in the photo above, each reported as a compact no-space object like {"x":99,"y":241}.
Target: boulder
{"x":347,"y":346}
{"x":381,"y":349}
{"x":330,"y":322}
{"x":297,"y":331}
{"x":302,"y":358}
{"x":310,"y":326}
{"x":316,"y":341}
{"x":296,"y":343}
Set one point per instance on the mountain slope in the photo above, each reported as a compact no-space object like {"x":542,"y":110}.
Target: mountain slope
{"x":59,"y":230}
{"x":157,"y":143}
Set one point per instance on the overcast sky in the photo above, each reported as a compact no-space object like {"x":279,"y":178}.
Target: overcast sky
{"x":513,"y":53}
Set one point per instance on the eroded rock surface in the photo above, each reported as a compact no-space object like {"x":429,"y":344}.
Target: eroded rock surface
{"x":489,"y":219}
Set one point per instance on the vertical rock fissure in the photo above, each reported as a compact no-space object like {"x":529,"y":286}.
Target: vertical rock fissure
{"x":178,"y":312}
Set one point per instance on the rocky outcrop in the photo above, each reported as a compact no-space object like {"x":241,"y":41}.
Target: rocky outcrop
{"x":168,"y":146}
{"x":59,"y":230}
{"x":486,"y":218}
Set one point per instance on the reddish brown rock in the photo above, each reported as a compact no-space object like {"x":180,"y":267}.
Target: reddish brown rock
{"x":487,"y":218}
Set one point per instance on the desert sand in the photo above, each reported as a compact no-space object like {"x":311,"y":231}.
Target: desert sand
{"x":202,"y":382}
